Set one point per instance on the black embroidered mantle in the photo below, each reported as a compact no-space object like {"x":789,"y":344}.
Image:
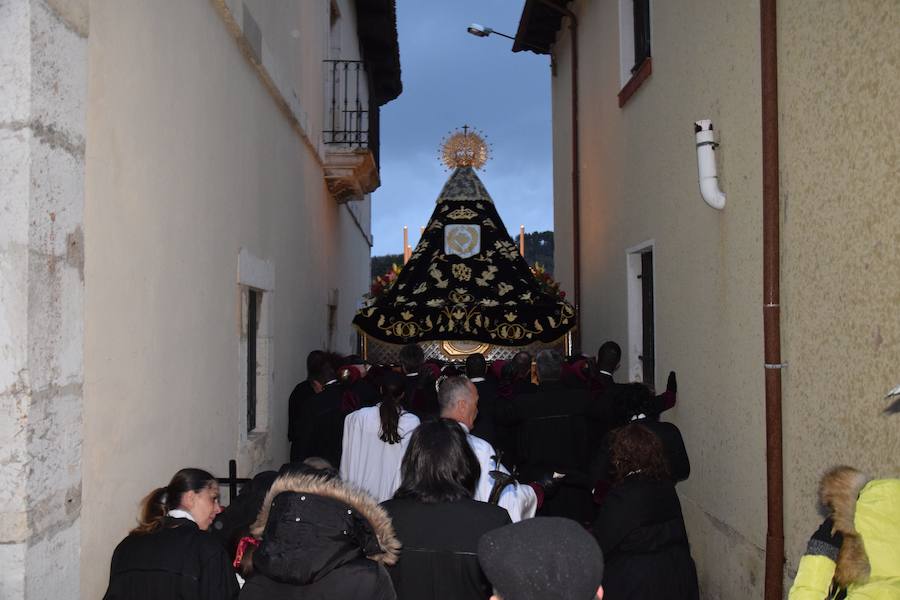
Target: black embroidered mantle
{"x":466,"y":281}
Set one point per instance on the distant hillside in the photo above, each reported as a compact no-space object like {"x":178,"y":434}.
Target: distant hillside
{"x":381,"y":264}
{"x":538,"y":248}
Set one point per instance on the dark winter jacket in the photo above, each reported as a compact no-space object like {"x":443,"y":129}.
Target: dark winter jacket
{"x":176,"y":562}
{"x":440,"y":543}
{"x":641,"y":531}
{"x":321,"y":539}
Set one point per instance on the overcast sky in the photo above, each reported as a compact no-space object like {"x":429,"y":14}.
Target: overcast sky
{"x":451,"y":78}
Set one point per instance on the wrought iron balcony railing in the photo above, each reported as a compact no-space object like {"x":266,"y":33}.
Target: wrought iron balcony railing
{"x":352,"y":120}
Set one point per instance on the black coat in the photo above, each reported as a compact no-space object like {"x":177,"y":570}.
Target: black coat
{"x":320,"y":427}
{"x":176,"y":562}
{"x":322,"y":541}
{"x":359,"y":578}
{"x":234,"y":522}
{"x":673,"y":449}
{"x":296,"y":405}
{"x":552,"y":429}
{"x":365,"y":391}
{"x":438,"y":560}
{"x":421,"y":395}
{"x":553,"y":436}
{"x":485,"y":422}
{"x":641,"y":531}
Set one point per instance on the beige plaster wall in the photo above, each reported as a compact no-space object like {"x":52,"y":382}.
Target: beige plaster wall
{"x":840,"y":159}
{"x":189,"y":160}
{"x":639,"y":183}
{"x":840,"y":291}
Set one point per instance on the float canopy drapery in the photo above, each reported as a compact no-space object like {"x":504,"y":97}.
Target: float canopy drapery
{"x":466,"y":281}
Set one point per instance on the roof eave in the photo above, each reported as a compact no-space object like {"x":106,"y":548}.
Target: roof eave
{"x":538,"y":26}
{"x":377,"y":31}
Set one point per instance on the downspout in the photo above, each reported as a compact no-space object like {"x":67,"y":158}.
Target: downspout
{"x":774,"y":578}
{"x":576,"y":176}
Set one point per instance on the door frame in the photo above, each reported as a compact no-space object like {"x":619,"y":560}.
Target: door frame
{"x":635,"y":308}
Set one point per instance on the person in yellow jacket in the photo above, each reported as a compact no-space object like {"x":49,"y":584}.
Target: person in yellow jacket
{"x":855,"y":553}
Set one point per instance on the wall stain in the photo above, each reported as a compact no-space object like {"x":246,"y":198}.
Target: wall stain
{"x":50,"y":135}
{"x":75,"y":251}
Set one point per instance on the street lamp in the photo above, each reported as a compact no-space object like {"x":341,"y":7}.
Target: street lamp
{"x":482,"y":31}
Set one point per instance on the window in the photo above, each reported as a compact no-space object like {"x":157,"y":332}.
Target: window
{"x":641,"y":33}
{"x":253,"y":304}
{"x":255,"y":288}
{"x":634,"y":46}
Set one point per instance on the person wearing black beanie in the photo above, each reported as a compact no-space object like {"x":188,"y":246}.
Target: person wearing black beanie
{"x":545,"y":558}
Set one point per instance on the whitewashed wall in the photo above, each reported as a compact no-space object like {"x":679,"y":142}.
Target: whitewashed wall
{"x":191,"y":161}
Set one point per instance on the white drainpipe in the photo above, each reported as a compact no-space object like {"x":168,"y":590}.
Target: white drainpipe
{"x":706,"y":164}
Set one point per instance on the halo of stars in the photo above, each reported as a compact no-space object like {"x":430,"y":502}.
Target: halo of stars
{"x":465,"y":147}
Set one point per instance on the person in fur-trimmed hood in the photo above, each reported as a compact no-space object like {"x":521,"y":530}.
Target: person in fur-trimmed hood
{"x":855,"y":553}
{"x":320,"y":538}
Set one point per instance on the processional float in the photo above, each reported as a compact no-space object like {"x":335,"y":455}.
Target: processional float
{"x":465,"y":288}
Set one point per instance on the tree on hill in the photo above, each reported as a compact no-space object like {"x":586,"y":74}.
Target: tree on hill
{"x":381,"y":264}
{"x":539,"y":248}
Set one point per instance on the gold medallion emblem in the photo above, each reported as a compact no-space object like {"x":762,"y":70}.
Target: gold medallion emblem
{"x":462,"y":240}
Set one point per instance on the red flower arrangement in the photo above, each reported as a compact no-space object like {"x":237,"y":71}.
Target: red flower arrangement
{"x":546,"y":282}
{"x":382,"y":283}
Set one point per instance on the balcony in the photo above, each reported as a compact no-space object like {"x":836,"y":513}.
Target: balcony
{"x":351,"y":132}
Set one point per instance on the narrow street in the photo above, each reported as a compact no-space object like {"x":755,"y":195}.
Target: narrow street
{"x":193,"y":196}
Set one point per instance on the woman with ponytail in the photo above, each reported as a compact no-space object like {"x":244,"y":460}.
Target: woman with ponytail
{"x":375,"y":439}
{"x":170,"y":555}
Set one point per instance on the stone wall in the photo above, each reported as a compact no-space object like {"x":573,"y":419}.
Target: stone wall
{"x":42,"y":157}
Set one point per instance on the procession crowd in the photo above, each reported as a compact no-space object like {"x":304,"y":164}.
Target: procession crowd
{"x":538,"y":477}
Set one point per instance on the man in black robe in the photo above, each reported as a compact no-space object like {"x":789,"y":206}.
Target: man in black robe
{"x":609,"y":358}
{"x":421,"y":395}
{"x":639,"y":405}
{"x":552,"y":437}
{"x":360,"y":390}
{"x":476,"y":371}
{"x":320,"y":422}
{"x":315,"y":362}
{"x":515,"y":380}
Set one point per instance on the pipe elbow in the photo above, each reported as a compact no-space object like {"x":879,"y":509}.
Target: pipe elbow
{"x":712,"y":195}
{"x":706,"y":165}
